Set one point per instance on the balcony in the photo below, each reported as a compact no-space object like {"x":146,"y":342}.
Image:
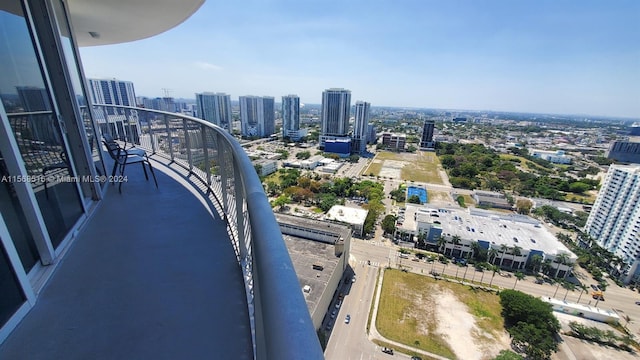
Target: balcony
{"x":194,"y":269}
{"x":151,"y":275}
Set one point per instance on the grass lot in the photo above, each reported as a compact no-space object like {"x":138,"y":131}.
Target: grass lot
{"x":373,"y":168}
{"x":525,"y":164}
{"x":468,"y":200}
{"x":406,"y":311}
{"x":441,"y":196}
{"x":420,"y":167}
{"x":584,"y":198}
{"x":423,"y":169}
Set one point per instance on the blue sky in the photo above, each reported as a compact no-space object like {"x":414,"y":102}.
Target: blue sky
{"x":566,"y":57}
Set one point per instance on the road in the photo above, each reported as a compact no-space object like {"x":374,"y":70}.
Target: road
{"x":350,"y":341}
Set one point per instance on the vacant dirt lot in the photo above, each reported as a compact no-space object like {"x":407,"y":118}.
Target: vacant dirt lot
{"x":444,"y":318}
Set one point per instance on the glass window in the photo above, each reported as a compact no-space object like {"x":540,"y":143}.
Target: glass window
{"x":16,"y":221}
{"x":28,"y":104}
{"x":12,"y":295}
{"x":75,"y":74}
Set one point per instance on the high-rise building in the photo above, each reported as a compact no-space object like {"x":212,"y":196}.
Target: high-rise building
{"x":372,"y":134}
{"x":114,"y":92}
{"x":361,"y":127}
{"x":257,"y":115}
{"x":215,"y":108}
{"x":426,"y":142}
{"x":615,"y":217}
{"x":336,"y":107}
{"x":290,"y":117}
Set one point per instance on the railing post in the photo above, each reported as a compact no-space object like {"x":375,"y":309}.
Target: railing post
{"x":169,"y":139}
{"x":205,"y":149}
{"x":224,"y":179}
{"x":151,"y":134}
{"x":187,"y":143}
{"x":240,"y":213}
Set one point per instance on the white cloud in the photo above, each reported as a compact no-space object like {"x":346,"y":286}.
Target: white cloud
{"x":208,"y":66}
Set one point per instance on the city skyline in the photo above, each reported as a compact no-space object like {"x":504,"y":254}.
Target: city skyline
{"x":542,"y":57}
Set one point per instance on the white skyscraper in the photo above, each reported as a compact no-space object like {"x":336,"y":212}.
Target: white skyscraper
{"x":257,"y":115}
{"x":614,"y":221}
{"x":290,"y":116}
{"x":215,"y":108}
{"x":361,"y":126}
{"x":114,"y":92}
{"x":336,"y":107}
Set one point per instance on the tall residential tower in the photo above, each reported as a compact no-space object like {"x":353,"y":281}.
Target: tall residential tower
{"x":336,"y":106}
{"x":257,"y":116}
{"x":361,"y":127}
{"x":291,"y":117}
{"x":615,"y":218}
{"x":426,"y":142}
{"x":215,"y":108}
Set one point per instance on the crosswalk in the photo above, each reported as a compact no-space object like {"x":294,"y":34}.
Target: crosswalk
{"x":369,"y":263}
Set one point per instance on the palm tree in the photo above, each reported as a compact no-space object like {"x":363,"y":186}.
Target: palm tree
{"x":515,"y":251}
{"x":494,"y":268}
{"x":475,"y":250}
{"x":464,"y":276}
{"x":504,"y":249}
{"x":492,"y":255}
{"x":440,"y":242}
{"x":456,"y":241}
{"x":519,"y":276}
{"x":561,"y":259}
{"x":536,"y":261}
{"x":569,"y":286}
{"x":559,"y":282}
{"x":546,"y":266}
{"x":583,"y":289}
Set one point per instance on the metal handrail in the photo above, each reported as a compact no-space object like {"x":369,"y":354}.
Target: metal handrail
{"x":281,"y":324}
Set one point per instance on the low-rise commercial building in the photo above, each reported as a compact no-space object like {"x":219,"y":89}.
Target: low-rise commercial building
{"x":510,"y":239}
{"x":319,"y":252}
{"x":556,"y":157}
{"x":355,"y":217}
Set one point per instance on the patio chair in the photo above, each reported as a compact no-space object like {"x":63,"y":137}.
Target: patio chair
{"x":111,"y":142}
{"x":122,"y":158}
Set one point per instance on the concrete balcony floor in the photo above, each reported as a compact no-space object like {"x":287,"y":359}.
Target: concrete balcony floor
{"x":151,"y":275}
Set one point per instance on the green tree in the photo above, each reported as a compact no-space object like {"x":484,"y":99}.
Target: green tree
{"x":523,"y":206}
{"x":519,"y":276}
{"x":281,"y":202}
{"x":303,"y":155}
{"x":414,"y":199}
{"x":389,"y":224}
{"x":530,"y":322}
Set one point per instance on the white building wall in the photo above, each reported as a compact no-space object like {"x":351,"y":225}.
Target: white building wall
{"x":614,"y":221}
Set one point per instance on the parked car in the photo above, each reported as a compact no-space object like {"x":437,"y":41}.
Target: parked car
{"x":347,"y":319}
{"x":416,"y":358}
{"x":387,"y":350}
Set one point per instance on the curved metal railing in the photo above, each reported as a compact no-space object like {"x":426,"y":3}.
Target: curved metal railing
{"x":280,"y":321}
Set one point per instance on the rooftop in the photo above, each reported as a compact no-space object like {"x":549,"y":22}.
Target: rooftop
{"x":495,"y":227}
{"x":347,"y":215}
{"x":304,"y":253}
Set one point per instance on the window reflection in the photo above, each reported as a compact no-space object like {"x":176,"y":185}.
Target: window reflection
{"x":28,"y":104}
